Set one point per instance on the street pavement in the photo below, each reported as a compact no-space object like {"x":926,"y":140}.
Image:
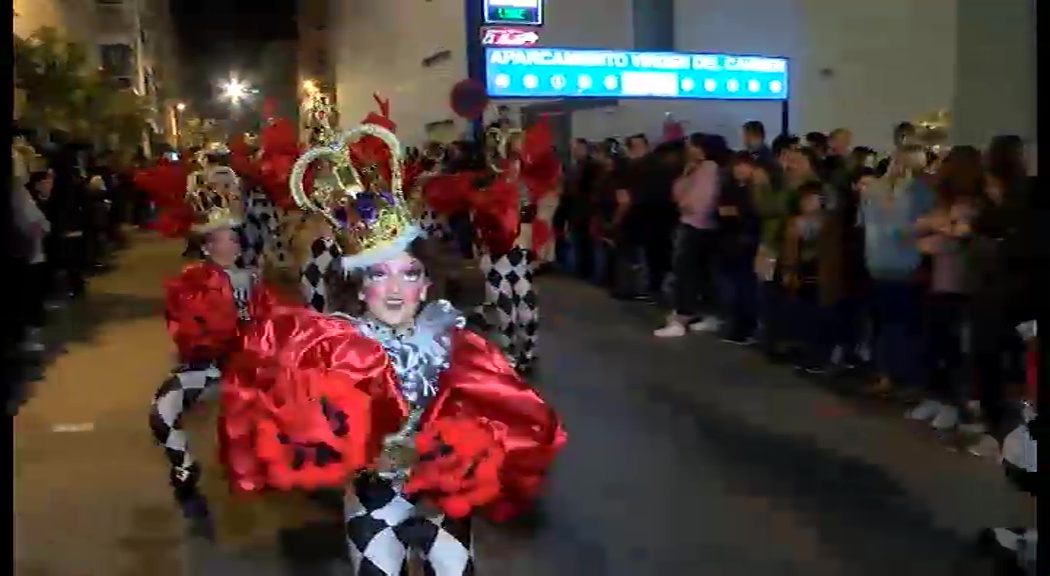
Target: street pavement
{"x":685,"y":457}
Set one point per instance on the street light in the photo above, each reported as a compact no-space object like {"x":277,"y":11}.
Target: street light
{"x":234,"y":90}
{"x":181,"y":106}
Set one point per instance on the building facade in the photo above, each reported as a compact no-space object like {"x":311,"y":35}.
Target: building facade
{"x":132,"y":40}
{"x":315,"y":70}
{"x":861,"y":65}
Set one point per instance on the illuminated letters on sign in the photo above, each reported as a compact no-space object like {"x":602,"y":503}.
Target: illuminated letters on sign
{"x":519,"y":12}
{"x":531,"y":72}
{"x":498,"y":36}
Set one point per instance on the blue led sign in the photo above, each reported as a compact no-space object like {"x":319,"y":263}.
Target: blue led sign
{"x":560,"y":73}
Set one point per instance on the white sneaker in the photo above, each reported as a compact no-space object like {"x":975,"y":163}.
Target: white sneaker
{"x":672,"y":330}
{"x":708,"y":324}
{"x":926,"y":410}
{"x":947,"y":418}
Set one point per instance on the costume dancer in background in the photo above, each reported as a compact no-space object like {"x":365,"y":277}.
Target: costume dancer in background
{"x":425,"y":420}
{"x":524,"y":172}
{"x":206,"y":307}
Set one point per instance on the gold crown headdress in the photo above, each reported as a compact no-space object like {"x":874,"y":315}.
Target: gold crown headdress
{"x":372,"y":224}
{"x":216,"y":199}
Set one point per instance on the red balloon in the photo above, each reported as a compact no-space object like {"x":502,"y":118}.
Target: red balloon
{"x":469,"y":99}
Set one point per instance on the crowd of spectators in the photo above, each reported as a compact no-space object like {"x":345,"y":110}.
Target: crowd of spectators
{"x":910,"y":271}
{"x":67,"y":209}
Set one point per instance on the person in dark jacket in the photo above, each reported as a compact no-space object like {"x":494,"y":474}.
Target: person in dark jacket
{"x":738,"y":231}
{"x":1008,"y":261}
{"x":68,"y":212}
{"x":576,"y":207}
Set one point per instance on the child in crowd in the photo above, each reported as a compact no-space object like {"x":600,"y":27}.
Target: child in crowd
{"x":801,"y":278}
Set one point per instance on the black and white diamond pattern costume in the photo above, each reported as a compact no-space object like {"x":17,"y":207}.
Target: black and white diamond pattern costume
{"x":186,"y":386}
{"x":383,"y":526}
{"x":323,"y":253}
{"x":263,"y":228}
{"x":511,"y":299}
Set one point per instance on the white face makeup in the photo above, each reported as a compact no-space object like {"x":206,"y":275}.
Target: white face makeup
{"x":394,"y":290}
{"x":223,"y":246}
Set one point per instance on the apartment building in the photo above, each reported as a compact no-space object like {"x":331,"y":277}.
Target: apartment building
{"x":136,"y":45}
{"x":133,"y":40}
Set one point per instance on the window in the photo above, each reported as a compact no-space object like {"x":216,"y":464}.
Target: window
{"x":118,"y":59}
{"x":653,"y":22}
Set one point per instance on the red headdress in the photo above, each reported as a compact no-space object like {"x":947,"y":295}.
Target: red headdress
{"x":165,"y":183}
{"x":278,"y":151}
{"x":371,"y":153}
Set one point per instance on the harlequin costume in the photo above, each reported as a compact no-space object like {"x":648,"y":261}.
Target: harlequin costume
{"x":264,"y":214}
{"x":207,"y":307}
{"x":509,"y":234}
{"x":423,"y":424}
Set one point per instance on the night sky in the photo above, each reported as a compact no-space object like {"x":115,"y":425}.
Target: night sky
{"x":220,"y":36}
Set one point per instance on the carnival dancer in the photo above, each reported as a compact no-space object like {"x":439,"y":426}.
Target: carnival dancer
{"x":508,"y":232}
{"x":206,"y":307}
{"x":421,"y":421}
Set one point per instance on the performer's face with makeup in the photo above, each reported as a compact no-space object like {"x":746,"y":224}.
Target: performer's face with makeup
{"x":223,"y":246}
{"x":393,"y":290}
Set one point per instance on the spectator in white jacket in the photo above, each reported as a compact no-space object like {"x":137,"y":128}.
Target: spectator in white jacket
{"x":33,"y":226}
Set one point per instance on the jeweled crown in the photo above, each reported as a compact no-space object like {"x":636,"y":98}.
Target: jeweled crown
{"x":215,"y":196}
{"x":369,"y":215}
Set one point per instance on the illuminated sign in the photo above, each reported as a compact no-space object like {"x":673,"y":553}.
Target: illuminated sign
{"x":521,"y":12}
{"x":557,"y":73}
{"x":501,"y":36}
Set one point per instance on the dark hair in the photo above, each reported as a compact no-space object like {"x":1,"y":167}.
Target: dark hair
{"x":903,"y":129}
{"x":811,"y":156}
{"x":36,"y":178}
{"x":446,"y":270}
{"x":609,"y":147}
{"x":961,"y":175}
{"x":1006,"y":158}
{"x":714,"y":147}
{"x":862,"y":172}
{"x":817,"y":139}
{"x":755,"y":128}
{"x":784,"y":142}
{"x":810,"y":187}
{"x":636,"y":137}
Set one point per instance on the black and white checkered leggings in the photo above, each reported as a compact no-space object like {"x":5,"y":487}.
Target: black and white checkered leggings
{"x":383,"y":528}
{"x":511,"y":297}
{"x":184,"y":388}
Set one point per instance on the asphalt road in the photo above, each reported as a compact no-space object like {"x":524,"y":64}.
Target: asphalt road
{"x":685,"y":457}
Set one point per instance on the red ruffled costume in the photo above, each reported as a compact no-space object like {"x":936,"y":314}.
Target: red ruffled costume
{"x":202,"y":315}
{"x":309,"y":400}
{"x":165,"y":183}
{"x":495,"y":199}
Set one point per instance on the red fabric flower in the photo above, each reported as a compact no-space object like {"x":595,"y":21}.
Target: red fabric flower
{"x":459,"y":465}
{"x":313,"y":430}
{"x":497,"y":215}
{"x":449,"y":194}
{"x":201,"y":319}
